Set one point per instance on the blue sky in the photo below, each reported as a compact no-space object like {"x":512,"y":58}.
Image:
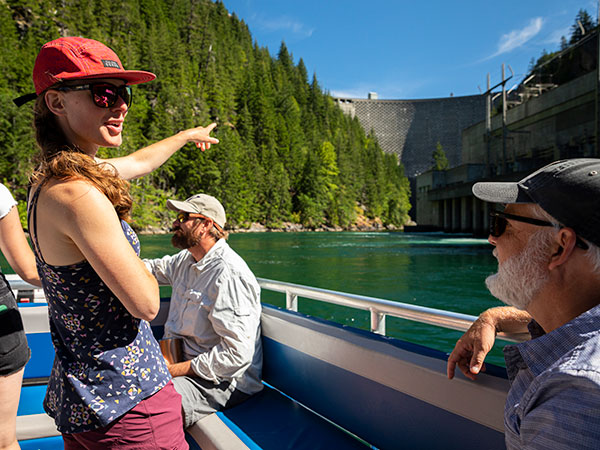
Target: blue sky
{"x":405,"y":49}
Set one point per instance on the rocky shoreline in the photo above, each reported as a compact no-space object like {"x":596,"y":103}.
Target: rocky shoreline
{"x":290,"y":227}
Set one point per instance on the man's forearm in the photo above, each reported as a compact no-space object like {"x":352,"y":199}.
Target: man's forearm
{"x":228,"y":359}
{"x":506,"y":319}
{"x":181,"y":369}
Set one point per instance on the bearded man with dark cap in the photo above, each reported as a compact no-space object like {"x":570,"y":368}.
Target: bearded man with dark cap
{"x":214,"y":311}
{"x":547,"y":242}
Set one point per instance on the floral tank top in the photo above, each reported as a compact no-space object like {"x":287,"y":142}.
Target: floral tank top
{"x":107,"y":361}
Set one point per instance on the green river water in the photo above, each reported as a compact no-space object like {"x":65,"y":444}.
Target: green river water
{"x":436,"y":270}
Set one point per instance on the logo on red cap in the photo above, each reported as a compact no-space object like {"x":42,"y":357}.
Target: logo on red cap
{"x":109,"y":63}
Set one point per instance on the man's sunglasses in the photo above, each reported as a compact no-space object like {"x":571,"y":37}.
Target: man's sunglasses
{"x":104,"y":95}
{"x":498,"y":222}
{"x":185,"y":216}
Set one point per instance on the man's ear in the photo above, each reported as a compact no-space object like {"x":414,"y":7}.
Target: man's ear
{"x":562,"y":247}
{"x":208,"y":224}
{"x":55,"y":103}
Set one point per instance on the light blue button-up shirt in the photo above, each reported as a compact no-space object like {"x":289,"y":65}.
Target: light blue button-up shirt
{"x":215,"y":308}
{"x":554,"y":399}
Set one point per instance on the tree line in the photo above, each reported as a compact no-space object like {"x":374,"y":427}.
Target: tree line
{"x":287,"y":153}
{"x":575,"y":57}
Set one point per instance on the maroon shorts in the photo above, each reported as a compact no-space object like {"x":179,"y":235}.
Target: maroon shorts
{"x":154,"y":423}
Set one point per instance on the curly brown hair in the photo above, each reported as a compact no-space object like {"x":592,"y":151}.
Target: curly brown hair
{"x":62,"y":160}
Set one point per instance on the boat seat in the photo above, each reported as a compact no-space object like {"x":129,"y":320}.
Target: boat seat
{"x":269,"y":420}
{"x":35,"y":429}
{"x":332,"y":386}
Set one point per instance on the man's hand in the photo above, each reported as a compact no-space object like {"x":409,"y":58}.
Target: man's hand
{"x":471,"y":349}
{"x":181,"y":369}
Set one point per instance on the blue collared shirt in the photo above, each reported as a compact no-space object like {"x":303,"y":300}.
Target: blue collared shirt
{"x":554,"y":399}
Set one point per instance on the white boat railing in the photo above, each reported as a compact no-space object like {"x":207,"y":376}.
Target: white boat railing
{"x":23,"y":290}
{"x":379,"y":308}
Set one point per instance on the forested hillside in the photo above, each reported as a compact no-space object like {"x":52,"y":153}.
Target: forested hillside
{"x":287,"y":153}
{"x":576,"y":56}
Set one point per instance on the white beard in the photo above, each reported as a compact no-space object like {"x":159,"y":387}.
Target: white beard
{"x":521,"y":277}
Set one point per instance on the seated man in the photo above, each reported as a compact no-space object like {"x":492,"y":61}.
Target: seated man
{"x":547,"y":242}
{"x":215,"y":311}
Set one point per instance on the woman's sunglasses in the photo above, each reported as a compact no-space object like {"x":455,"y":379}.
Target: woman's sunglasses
{"x":498,"y":222}
{"x":104,"y":95}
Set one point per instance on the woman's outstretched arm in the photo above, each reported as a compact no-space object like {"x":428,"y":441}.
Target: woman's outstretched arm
{"x":144,"y":161}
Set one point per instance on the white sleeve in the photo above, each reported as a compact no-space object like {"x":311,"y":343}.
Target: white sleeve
{"x":6,"y":201}
{"x":164,"y":269}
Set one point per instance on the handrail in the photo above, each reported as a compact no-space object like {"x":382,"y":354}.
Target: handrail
{"x":17,"y":284}
{"x":380,"y":308}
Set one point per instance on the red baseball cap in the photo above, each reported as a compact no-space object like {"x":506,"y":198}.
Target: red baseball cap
{"x":77,"y":58}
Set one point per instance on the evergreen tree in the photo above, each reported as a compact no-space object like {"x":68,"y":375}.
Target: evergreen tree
{"x":570,"y":61}
{"x":440,"y":161}
{"x":563,"y":43}
{"x":287,"y":152}
{"x":583,"y":25}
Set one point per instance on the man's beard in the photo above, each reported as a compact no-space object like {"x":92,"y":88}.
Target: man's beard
{"x":521,"y":277}
{"x":182,"y":239}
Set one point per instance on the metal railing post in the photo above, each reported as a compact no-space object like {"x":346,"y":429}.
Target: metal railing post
{"x":291,"y":301}
{"x":379,"y":308}
{"x":377,"y":322}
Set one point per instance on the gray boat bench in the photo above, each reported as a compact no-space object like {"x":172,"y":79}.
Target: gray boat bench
{"x":332,"y":386}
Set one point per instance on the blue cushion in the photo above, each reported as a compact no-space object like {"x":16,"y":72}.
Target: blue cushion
{"x":50,"y":443}
{"x":42,"y":356}
{"x":271,"y":420}
{"x":32,"y":398}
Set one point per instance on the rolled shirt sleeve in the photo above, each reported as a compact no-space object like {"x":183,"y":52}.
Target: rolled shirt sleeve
{"x":7,"y":201}
{"x":162,"y":268}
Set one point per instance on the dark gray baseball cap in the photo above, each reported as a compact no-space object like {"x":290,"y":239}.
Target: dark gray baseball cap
{"x":568,"y":190}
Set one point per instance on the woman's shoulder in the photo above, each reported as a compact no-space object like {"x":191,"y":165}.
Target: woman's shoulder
{"x":73,"y":201}
{"x":72,"y":190}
